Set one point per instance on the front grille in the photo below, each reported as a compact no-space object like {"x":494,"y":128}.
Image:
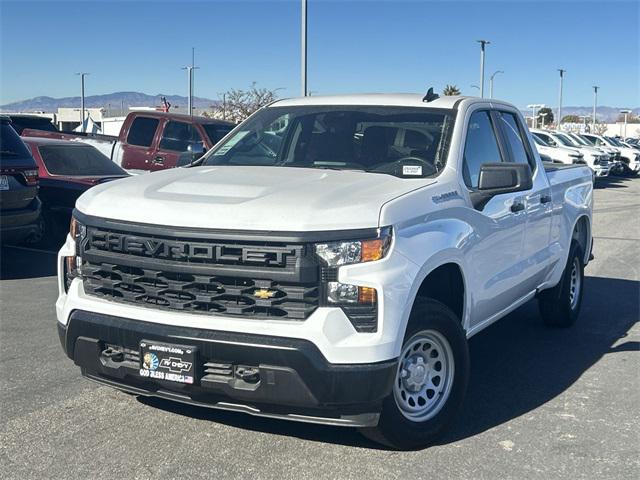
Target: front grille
{"x":189,"y":273}
{"x":199,"y":293}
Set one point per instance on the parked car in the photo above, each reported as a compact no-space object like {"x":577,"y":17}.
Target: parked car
{"x":150,"y":140}
{"x":334,"y":279}
{"x":23,"y":121}
{"x":629,"y":156}
{"x":561,"y":154}
{"x":600,"y":142}
{"x":19,"y":203}
{"x":66,"y":170}
{"x":596,"y":159}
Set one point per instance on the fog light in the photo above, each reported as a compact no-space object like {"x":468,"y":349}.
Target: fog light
{"x":342,"y":292}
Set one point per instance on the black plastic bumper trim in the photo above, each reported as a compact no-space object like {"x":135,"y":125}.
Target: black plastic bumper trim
{"x":293,"y":372}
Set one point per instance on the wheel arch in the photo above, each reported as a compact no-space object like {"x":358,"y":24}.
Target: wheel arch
{"x":445,"y":282}
{"x":582,"y":234}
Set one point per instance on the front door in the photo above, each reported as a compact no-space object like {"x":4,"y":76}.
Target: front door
{"x":495,"y":258}
{"x":137,"y":149}
{"x":174,"y":142}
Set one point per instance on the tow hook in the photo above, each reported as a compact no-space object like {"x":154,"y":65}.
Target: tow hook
{"x":247,"y":374}
{"x":113,"y":355}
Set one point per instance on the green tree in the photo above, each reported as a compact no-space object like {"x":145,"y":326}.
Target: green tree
{"x":548,"y":118}
{"x":451,"y":90}
{"x":571,"y":119}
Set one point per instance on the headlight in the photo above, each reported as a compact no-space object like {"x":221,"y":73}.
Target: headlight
{"x":336,"y":254}
{"x":73,"y":264}
{"x":359,"y":303}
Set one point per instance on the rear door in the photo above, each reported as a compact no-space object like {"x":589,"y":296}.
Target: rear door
{"x":174,"y":142}
{"x":496,"y":270}
{"x":536,"y":251}
{"x":137,"y":148}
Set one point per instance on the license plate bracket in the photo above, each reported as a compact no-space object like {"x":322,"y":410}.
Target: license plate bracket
{"x":4,"y":182}
{"x":168,"y":361}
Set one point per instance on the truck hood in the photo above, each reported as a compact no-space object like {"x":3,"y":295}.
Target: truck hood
{"x":249,"y":198}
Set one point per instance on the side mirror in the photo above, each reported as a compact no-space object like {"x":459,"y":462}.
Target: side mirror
{"x":196,"y":150}
{"x":499,"y":178}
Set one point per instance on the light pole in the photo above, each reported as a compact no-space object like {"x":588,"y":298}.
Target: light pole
{"x":625,"y":112}
{"x":595,"y":104}
{"x":562,"y":72}
{"x":303,"y":48}
{"x":584,"y":122}
{"x":475,"y":86}
{"x":491,"y":82}
{"x":483,"y":44}
{"x":82,"y":75}
{"x":190,"y":69}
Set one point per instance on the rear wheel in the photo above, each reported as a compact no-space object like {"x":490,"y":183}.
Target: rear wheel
{"x":560,"y":305}
{"x":431,"y":379}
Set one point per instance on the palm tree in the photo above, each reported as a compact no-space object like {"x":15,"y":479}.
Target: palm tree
{"x":451,"y":90}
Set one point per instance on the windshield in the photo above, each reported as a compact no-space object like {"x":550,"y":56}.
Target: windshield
{"x":563,"y":139}
{"x":10,"y":143}
{"x":539,"y":141}
{"x":77,"y":161}
{"x":615,"y":141}
{"x":579,"y":140}
{"x":372,"y":139}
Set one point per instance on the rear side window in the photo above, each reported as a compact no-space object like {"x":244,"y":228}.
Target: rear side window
{"x":11,"y":145}
{"x":481,"y":146}
{"x":142,"y":131}
{"x":177,"y":136}
{"x":514,"y":137}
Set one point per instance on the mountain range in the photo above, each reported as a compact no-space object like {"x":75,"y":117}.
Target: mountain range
{"x":123,"y":100}
{"x":111,"y":101}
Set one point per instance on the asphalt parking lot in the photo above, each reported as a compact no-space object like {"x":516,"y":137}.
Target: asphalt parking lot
{"x":542,"y":403}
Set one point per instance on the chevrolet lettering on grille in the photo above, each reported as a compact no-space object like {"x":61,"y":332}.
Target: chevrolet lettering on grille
{"x":188,"y":251}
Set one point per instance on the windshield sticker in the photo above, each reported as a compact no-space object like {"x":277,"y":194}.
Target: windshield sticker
{"x":412,"y":170}
{"x":231,"y":143}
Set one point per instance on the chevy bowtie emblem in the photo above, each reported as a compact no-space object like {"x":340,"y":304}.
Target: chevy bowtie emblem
{"x":263,"y":293}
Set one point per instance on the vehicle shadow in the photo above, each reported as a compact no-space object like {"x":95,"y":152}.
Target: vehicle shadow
{"x":518,"y":365}
{"x":20,"y":263}
{"x":613,"y":181}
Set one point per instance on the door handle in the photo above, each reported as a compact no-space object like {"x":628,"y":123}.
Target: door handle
{"x":517,"y":207}
{"x":159,"y":160}
{"x":545,"y":198}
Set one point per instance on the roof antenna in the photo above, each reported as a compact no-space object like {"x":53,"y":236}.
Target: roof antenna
{"x":430,"y":96}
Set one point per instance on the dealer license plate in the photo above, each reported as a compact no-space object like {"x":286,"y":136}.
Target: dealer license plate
{"x":168,"y":362}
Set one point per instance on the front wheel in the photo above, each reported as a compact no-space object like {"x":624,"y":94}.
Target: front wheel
{"x":431,"y":379}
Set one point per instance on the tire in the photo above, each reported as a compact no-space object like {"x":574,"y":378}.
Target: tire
{"x":560,"y":305}
{"x":433,"y":327}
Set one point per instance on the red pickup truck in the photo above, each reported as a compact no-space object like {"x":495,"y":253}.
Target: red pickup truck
{"x":151,"y":140}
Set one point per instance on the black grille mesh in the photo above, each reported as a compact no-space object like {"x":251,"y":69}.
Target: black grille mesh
{"x":200,"y":293}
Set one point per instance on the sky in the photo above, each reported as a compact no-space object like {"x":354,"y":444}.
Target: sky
{"x":353,"y":46}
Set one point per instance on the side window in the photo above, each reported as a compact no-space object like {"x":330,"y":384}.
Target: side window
{"x":177,"y":136}
{"x":514,"y":137}
{"x":480,"y":147}
{"x":142,"y":131}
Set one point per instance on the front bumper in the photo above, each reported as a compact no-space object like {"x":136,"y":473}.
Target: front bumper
{"x":295,"y":381}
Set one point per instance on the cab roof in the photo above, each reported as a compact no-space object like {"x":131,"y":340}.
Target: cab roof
{"x":383,"y":99}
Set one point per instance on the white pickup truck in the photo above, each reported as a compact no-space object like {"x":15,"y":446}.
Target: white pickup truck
{"x":326,"y":262}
